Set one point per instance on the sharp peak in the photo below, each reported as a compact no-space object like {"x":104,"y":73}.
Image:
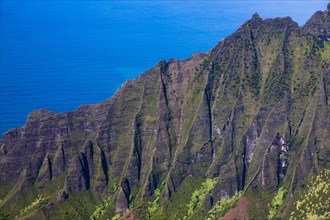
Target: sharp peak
{"x":254,"y":19}
{"x":256,"y":16}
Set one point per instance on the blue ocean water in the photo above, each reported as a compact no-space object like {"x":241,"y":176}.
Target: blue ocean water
{"x":57,"y":55}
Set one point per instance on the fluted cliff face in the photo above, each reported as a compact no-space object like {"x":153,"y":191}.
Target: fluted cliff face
{"x":252,"y":114}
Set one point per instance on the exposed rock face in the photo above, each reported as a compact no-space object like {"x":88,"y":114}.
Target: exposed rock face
{"x":275,"y":164}
{"x":208,"y":202}
{"x":228,"y":113}
{"x":319,"y":25}
{"x":62,"y":196}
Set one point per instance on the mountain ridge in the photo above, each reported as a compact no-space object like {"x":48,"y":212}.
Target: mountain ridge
{"x":168,"y":131}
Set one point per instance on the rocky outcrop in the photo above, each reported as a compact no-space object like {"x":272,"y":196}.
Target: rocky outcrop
{"x":275,"y":164}
{"x":253,"y":111}
{"x":318,"y":25}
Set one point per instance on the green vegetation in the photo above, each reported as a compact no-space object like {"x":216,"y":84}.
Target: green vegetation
{"x":314,"y":204}
{"x":222,"y":206}
{"x":255,"y":83}
{"x":198,"y":196}
{"x":4,"y":215}
{"x":294,"y":142}
{"x":35,"y":203}
{"x":257,"y":202}
{"x":176,"y":207}
{"x":115,"y":187}
{"x":277,"y":202}
{"x":101,"y":209}
{"x":68,"y":215}
{"x":116,"y":217}
{"x":154,"y":205}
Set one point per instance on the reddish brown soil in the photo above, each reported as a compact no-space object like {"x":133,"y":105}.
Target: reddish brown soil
{"x":129,"y":216}
{"x":240,"y":212}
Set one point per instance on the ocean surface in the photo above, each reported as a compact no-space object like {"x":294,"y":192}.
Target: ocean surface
{"x":57,"y":55}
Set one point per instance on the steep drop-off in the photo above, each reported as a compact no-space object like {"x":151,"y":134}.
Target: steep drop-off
{"x":187,"y":138}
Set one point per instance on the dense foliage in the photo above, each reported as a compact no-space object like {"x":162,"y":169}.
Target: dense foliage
{"x":198,"y":195}
{"x":277,"y":202}
{"x":223,"y":205}
{"x":315,"y":203}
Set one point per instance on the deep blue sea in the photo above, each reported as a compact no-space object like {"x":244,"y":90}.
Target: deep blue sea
{"x":58,"y":55}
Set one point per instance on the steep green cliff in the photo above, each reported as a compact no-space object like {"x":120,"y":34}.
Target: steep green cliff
{"x":187,"y":139}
